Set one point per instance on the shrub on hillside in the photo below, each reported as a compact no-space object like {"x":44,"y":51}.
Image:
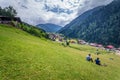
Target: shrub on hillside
{"x":31,"y":29}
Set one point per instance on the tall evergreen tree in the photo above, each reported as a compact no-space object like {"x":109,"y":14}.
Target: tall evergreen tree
{"x":8,"y":11}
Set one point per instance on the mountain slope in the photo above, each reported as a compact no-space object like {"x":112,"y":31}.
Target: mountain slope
{"x":26,"y":57}
{"x":101,"y":26}
{"x":79,"y":20}
{"x":49,"y":27}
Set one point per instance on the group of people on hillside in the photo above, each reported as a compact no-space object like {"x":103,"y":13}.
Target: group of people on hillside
{"x":89,"y":58}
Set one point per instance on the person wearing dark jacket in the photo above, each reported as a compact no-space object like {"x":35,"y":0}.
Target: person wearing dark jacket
{"x":97,"y":61}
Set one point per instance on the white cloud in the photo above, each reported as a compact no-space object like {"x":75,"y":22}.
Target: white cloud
{"x":89,"y":4}
{"x":35,"y":11}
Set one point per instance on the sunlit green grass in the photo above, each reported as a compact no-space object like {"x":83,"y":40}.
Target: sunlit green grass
{"x":26,"y":57}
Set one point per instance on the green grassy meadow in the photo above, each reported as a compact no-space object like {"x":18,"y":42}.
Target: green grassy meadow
{"x":26,"y":57}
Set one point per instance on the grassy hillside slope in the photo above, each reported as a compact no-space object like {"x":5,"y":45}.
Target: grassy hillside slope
{"x":26,"y":57}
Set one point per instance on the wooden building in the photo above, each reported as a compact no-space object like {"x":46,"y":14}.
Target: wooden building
{"x":7,"y":20}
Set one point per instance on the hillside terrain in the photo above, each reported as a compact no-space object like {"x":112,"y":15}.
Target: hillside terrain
{"x":27,"y":57}
{"x":100,"y":25}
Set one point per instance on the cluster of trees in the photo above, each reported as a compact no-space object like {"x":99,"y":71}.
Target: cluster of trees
{"x":8,"y":11}
{"x":101,"y":25}
{"x":31,"y":29}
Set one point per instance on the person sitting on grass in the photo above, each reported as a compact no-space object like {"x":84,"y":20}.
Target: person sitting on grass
{"x":89,"y":58}
{"x":97,"y":52}
{"x":67,"y":43}
{"x":97,"y":61}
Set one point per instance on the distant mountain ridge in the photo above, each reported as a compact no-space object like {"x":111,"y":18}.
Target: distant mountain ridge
{"x":49,"y":27}
{"x":101,"y":25}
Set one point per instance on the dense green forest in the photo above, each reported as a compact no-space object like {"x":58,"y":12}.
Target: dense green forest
{"x":101,"y":25}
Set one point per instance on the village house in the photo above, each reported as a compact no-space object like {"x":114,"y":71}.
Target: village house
{"x":71,"y":41}
{"x":110,"y":47}
{"x":56,"y":37}
{"x":93,"y":44}
{"x":8,"y":20}
{"x":81,"y":42}
{"x":118,"y":49}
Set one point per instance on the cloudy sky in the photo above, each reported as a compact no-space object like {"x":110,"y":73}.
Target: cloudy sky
{"x":59,"y":12}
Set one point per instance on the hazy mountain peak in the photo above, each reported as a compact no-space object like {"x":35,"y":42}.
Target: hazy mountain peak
{"x":48,"y":27}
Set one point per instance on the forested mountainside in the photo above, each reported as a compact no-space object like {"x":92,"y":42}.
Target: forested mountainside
{"x":101,"y":25}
